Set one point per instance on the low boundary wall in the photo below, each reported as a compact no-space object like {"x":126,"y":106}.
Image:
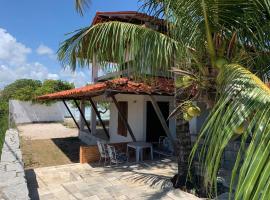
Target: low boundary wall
{"x":13,"y":184}
{"x":27,"y":112}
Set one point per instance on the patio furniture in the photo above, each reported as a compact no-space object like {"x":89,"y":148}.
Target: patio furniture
{"x":103,"y":153}
{"x":164,"y":147}
{"x":115,"y":156}
{"x":139,"y":146}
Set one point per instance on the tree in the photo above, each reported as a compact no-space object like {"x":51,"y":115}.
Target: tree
{"x":28,"y":89}
{"x":21,"y":89}
{"x":51,"y":86}
{"x":207,"y":42}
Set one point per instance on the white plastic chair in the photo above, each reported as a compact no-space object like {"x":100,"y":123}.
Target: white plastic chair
{"x":115,"y":157}
{"x":103,"y":153}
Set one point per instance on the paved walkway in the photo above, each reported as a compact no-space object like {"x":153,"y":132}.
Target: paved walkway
{"x":81,"y":181}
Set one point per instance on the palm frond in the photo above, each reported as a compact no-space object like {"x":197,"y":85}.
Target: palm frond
{"x":244,"y":98}
{"x":246,"y":19}
{"x":81,"y":5}
{"x":119,"y":42}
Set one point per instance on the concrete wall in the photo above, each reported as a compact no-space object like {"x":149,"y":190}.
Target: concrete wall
{"x":12,"y":177}
{"x":136,"y":116}
{"x":27,"y":112}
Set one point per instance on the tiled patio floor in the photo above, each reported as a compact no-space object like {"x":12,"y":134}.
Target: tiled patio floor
{"x":148,"y":181}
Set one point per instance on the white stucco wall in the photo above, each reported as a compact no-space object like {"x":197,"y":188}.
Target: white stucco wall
{"x":136,"y":117}
{"x":27,"y":112}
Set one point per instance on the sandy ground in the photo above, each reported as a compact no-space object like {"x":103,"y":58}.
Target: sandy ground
{"x":49,"y":144}
{"x":46,"y":131}
{"x":50,"y":152}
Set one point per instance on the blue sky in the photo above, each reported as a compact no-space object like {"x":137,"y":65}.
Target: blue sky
{"x":30,"y":33}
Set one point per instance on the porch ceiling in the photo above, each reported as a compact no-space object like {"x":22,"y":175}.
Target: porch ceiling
{"x":153,"y":86}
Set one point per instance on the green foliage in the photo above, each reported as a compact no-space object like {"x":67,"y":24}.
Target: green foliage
{"x":97,"y":41}
{"x":22,"y":89}
{"x":81,"y":5}
{"x":239,"y":29}
{"x":28,"y":89}
{"x":50,"y":86}
{"x":25,"y":90}
{"x":3,"y":121}
{"x":244,"y":98}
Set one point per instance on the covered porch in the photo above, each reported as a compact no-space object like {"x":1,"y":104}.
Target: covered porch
{"x":138,"y":112}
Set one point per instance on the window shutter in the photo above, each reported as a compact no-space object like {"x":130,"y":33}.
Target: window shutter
{"x":123,"y":108}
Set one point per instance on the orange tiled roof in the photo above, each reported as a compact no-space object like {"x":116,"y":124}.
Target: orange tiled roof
{"x":159,"y":86}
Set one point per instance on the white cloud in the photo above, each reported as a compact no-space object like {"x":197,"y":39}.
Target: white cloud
{"x":53,"y":76}
{"x":15,"y":65}
{"x":28,"y":70}
{"x":11,"y":51}
{"x":45,"y":51}
{"x":79,"y":78}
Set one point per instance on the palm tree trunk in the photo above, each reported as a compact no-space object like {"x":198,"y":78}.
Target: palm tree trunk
{"x":183,"y":149}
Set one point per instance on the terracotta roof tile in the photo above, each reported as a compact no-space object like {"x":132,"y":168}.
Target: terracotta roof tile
{"x":161,"y":86}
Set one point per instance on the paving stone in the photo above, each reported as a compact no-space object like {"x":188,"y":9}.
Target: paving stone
{"x":12,"y":182}
{"x":181,"y":195}
{"x":15,"y":167}
{"x":47,"y":197}
{"x":123,"y":197}
{"x":2,"y":167}
{"x":94,"y":197}
{"x":104,"y":183}
{"x":7,"y":175}
{"x":8,"y":157}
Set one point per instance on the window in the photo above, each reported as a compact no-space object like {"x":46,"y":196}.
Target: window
{"x":123,"y":108}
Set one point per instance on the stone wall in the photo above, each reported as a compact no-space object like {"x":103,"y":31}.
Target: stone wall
{"x":12,"y":177}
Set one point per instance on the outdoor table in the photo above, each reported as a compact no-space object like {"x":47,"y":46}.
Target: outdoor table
{"x":139,"y":146}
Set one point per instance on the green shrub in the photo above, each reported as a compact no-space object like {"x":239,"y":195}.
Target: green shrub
{"x":3,"y":122}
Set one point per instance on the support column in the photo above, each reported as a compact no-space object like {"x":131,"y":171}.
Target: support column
{"x":69,"y":111}
{"x":93,"y":119}
{"x":99,"y":117}
{"x":82,"y":122}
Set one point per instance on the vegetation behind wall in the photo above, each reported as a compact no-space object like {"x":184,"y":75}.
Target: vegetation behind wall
{"x":25,"y":90}
{"x":3,"y":122}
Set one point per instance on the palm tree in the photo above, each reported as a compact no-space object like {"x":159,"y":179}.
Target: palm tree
{"x":81,"y":5}
{"x":208,"y":43}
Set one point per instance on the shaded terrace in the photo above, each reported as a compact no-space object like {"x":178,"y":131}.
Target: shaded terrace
{"x":108,"y":90}
{"x":147,"y":180}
